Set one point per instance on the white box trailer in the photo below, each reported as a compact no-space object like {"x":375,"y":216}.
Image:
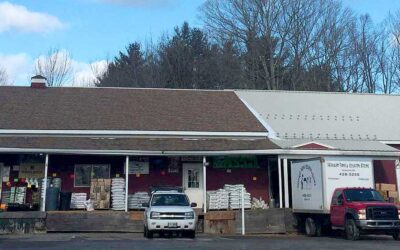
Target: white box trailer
{"x":314,"y":180}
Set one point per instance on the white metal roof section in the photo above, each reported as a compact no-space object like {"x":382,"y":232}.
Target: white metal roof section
{"x":340,"y":145}
{"x":327,"y":116}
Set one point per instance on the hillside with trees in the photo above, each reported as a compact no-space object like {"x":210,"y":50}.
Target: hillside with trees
{"x":273,"y":45}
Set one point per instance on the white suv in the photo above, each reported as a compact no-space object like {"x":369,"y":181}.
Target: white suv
{"x":169,"y":211}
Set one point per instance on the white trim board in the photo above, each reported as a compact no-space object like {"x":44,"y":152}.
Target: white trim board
{"x":131,"y":133}
{"x":282,"y":152}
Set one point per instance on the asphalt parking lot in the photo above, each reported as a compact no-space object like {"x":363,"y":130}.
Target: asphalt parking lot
{"x":136,"y":241}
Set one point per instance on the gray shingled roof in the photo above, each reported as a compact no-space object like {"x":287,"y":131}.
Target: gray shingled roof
{"x":332,"y":116}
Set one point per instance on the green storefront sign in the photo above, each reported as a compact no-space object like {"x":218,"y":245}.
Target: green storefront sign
{"x":234,"y":162}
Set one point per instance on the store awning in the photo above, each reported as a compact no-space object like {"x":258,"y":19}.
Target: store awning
{"x":140,"y":146}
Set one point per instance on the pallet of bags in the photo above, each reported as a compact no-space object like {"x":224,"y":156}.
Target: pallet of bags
{"x":100,"y":193}
{"x":118,"y":194}
{"x":78,"y":200}
{"x":136,"y":200}
{"x":217,"y":200}
{"x":235,"y":198}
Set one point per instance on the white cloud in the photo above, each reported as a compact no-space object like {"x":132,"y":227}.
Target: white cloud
{"x":85,"y":73}
{"x":18,"y":67}
{"x":138,"y":3}
{"x":19,"y":18}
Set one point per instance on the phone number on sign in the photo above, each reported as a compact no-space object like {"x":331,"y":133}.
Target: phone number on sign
{"x":349,"y":174}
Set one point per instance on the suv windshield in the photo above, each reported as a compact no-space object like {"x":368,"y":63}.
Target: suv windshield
{"x":169,"y":200}
{"x":362,"y":195}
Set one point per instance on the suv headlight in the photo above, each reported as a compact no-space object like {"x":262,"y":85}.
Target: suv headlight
{"x":398,"y":213}
{"x":362,"y":214}
{"x":154,"y":215}
{"x":189,"y":215}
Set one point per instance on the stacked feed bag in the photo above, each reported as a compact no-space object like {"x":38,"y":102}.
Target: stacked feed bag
{"x":18,"y":195}
{"x":235,"y":198}
{"x":218,"y":199}
{"x":118,"y":193}
{"x":43,"y":188}
{"x":78,"y":200}
{"x":136,"y":200}
{"x":100,"y":193}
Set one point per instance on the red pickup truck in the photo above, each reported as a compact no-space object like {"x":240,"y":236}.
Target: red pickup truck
{"x":358,"y":211}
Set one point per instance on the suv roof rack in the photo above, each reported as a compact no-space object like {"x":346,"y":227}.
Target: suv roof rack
{"x":166,"y":189}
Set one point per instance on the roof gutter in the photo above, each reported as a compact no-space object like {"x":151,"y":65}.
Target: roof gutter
{"x":111,"y":133}
{"x":310,"y":153}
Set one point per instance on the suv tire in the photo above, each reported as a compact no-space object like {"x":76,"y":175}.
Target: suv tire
{"x":148,"y":234}
{"x":352,"y":232}
{"x":396,"y":235}
{"x":191,"y":234}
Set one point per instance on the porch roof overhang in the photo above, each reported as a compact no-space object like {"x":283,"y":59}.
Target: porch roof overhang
{"x":174,"y":147}
{"x":133,"y":145}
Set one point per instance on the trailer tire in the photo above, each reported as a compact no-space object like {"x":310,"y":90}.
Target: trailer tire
{"x":352,"y":232}
{"x":310,"y":227}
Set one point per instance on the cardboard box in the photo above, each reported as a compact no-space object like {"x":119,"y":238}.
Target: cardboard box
{"x":384,"y":194}
{"x":387,"y":187}
{"x":393,"y":194}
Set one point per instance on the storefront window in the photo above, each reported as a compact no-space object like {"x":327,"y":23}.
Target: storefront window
{"x":84,"y":174}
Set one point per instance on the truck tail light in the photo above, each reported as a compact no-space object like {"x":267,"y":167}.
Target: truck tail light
{"x":362,"y":214}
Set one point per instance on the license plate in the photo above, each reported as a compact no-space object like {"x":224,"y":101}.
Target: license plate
{"x":172,"y":224}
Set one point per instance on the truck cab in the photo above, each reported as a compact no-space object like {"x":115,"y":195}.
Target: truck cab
{"x":363,"y":210}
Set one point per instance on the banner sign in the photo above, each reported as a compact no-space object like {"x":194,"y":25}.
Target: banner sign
{"x":138,"y":167}
{"x":31,"y":170}
{"x":228,"y":162}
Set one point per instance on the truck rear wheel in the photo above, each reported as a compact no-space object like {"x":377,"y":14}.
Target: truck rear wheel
{"x":313,"y":227}
{"x":351,"y":230}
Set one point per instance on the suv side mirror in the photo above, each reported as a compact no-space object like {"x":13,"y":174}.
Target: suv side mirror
{"x":193,"y":204}
{"x":146,"y":204}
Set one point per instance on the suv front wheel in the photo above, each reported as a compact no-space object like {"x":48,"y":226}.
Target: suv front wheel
{"x":396,"y":235}
{"x":148,"y":234}
{"x":191,"y":234}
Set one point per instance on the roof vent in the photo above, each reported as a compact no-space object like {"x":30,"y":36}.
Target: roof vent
{"x":38,"y":82}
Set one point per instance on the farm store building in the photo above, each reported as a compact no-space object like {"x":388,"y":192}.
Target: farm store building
{"x":76,"y":140}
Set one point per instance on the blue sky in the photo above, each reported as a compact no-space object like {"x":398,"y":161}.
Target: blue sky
{"x":93,"y":30}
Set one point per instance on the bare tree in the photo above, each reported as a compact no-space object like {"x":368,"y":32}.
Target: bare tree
{"x":56,"y":66}
{"x":3,"y":77}
{"x":283,"y":39}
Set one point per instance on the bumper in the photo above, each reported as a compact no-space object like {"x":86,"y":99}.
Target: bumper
{"x":171,"y":225}
{"x":378,"y":224}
